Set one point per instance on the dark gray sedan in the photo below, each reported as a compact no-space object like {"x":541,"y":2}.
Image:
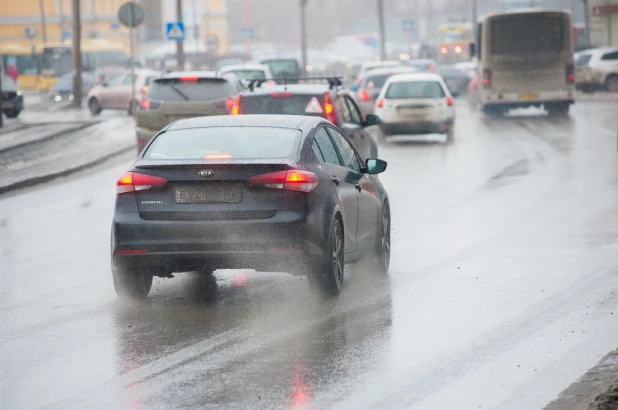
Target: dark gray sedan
{"x":267,"y":192}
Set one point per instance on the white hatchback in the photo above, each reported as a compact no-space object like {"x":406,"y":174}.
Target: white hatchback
{"x":417,"y":103}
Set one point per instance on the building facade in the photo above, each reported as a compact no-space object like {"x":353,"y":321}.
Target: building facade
{"x":603,"y":22}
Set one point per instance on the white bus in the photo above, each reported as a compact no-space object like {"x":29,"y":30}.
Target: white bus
{"x":525,"y":58}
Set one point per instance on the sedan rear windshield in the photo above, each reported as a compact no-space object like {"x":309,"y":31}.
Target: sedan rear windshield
{"x":173,"y":89}
{"x":583,"y":60}
{"x":415,"y":89}
{"x":225,"y":143}
{"x":282,"y":103}
{"x":377,"y":81}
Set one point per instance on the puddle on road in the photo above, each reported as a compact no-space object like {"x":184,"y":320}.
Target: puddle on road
{"x":508,"y":175}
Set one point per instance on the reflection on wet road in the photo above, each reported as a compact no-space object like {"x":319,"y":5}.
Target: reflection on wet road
{"x":502,"y":290}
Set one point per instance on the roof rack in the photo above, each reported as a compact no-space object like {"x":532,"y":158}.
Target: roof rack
{"x":333,"y":82}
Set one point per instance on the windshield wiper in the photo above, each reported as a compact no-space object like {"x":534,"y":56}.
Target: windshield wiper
{"x":183,"y":95}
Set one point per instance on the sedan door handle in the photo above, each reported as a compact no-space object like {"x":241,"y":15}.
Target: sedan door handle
{"x":358,"y":187}
{"x":335,"y":181}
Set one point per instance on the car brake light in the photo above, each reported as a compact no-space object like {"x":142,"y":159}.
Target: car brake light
{"x":449,"y":101}
{"x":230,"y":102}
{"x":570,"y":74}
{"x":144,"y":104}
{"x":236,"y":107}
{"x":329,"y":109}
{"x":380,"y":103}
{"x":487,"y":77}
{"x":431,"y":67}
{"x":144,"y":89}
{"x":270,"y":83}
{"x":134,"y":181}
{"x":281,"y":95}
{"x":188,"y":78}
{"x":364,"y":96}
{"x":217,"y":156}
{"x":132,"y":252}
{"x":291,"y":180}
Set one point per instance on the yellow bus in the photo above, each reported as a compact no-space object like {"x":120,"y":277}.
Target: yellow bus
{"x":57,"y":59}
{"x":26,"y":60}
{"x":454,"y":42}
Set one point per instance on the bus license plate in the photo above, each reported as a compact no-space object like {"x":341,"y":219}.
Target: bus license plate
{"x":528,"y":96}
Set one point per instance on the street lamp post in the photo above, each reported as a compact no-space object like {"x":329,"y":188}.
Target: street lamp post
{"x":303,"y":33}
{"x":382,"y":31}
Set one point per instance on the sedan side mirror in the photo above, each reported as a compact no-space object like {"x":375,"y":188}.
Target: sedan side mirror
{"x":372,"y":119}
{"x":375,"y":166}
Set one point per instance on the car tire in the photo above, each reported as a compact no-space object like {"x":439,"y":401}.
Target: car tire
{"x":327,"y":275}
{"x":12,"y":113}
{"x":131,"y":283}
{"x":380,"y":259}
{"x":611,"y":83}
{"x":132,"y":108}
{"x":94,"y":106}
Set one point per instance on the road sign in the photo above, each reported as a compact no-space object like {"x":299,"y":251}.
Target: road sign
{"x":247,"y":32}
{"x":407,"y":24}
{"x":212,"y":42}
{"x":131,"y":14}
{"x":175,"y":31}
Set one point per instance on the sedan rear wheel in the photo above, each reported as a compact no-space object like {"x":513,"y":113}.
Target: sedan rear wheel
{"x":94,"y":106}
{"x":131,"y":284}
{"x":381,"y":258}
{"x":328,"y":276}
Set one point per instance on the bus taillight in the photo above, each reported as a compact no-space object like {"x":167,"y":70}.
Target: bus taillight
{"x":570,"y":74}
{"x":487,"y":77}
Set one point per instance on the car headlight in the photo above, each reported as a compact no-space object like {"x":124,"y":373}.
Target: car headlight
{"x":18,"y":92}
{"x":58,"y":98}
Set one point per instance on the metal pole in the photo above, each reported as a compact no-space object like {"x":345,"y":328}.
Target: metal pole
{"x":180,"y":52}
{"x":247,"y":24}
{"x":196,"y":27}
{"x":474,"y":18}
{"x":132,"y":107}
{"x":1,"y":108}
{"x":382,"y":32}
{"x":77,"y":54}
{"x":303,"y":33}
{"x":587,"y":22}
{"x":43,"y":24}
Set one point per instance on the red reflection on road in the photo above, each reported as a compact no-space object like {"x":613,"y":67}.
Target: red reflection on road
{"x":300,"y":396}
{"x":240,"y":280}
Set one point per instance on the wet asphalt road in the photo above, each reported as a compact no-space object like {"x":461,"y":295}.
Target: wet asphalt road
{"x":503,"y":289}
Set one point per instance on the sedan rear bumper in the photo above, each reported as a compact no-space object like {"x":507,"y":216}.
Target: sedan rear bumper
{"x":412,"y":128}
{"x":282,"y":243}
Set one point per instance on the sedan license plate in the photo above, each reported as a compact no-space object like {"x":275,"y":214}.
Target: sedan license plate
{"x":209,"y":194}
{"x":528,"y":96}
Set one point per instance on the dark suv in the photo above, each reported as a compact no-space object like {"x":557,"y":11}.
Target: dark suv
{"x":327,"y":100}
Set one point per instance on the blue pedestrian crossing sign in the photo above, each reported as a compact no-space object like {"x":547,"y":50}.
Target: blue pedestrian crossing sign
{"x":175,"y":31}
{"x":247,"y":32}
{"x":407,"y":25}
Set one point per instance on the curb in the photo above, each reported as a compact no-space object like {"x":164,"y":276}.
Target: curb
{"x":48,"y":137}
{"x":49,"y":177}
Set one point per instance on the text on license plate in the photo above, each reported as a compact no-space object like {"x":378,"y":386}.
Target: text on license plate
{"x":211,"y":193}
{"x":528,"y":96}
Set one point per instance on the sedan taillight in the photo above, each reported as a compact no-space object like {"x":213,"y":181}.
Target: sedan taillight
{"x":291,"y":180}
{"x":134,"y":181}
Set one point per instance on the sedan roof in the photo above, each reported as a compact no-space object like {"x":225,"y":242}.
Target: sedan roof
{"x":415,"y":77}
{"x":274,"y":121}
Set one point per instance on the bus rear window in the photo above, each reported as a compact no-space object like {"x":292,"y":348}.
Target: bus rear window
{"x":519,"y":34}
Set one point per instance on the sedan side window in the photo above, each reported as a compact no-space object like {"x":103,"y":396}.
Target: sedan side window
{"x":355,"y":115}
{"x":115,"y":80}
{"x":326,"y":147}
{"x":128,"y":79}
{"x":348,"y":155}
